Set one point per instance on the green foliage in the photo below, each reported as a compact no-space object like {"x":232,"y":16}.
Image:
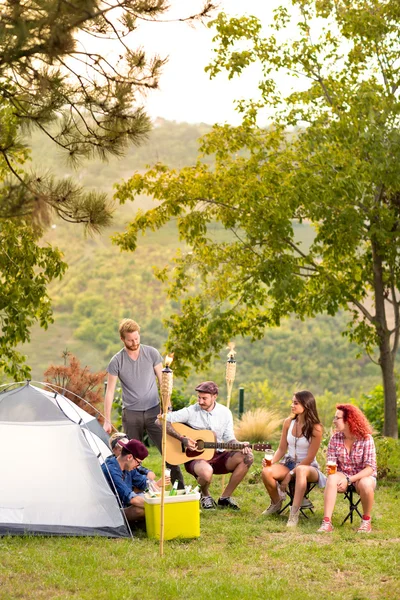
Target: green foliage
{"x":339,"y":172}
{"x":103,"y":285}
{"x":388,"y":457}
{"x":26,"y":269}
{"x":117,"y":409}
{"x":373,"y":406}
{"x":255,"y":476}
{"x":54,"y":80}
{"x":179,"y":399}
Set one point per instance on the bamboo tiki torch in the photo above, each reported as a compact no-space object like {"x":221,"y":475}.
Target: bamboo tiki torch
{"x":167,"y":381}
{"x":230,"y":372}
{"x":230,"y":375}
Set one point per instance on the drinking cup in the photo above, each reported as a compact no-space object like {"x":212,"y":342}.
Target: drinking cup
{"x":167,"y":477}
{"x":269,"y":454}
{"x":331,"y":467}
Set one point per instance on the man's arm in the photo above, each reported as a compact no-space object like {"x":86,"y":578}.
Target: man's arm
{"x":187,"y":442}
{"x":229,"y":436}
{"x":108,"y":400}
{"x":158,"y":372}
{"x":117,"y":483}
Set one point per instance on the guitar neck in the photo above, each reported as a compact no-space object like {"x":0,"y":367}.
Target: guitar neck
{"x":225,"y":445}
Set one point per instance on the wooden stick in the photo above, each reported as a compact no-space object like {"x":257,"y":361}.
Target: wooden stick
{"x":162,"y":511}
{"x":230,"y":375}
{"x":167,"y":379}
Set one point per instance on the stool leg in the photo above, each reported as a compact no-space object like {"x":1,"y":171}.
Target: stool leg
{"x":352,"y":507}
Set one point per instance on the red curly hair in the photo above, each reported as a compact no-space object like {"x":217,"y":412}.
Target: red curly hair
{"x":356,"y":420}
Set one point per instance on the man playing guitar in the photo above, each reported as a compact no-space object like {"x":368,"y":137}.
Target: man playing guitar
{"x":209,"y":414}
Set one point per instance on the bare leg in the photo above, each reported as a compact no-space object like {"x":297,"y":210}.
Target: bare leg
{"x":331,"y":493}
{"x":270,"y":475}
{"x":204,"y":473}
{"x":366,"y":488}
{"x":238,"y":465}
{"x":304,"y":473}
{"x":134,"y":513}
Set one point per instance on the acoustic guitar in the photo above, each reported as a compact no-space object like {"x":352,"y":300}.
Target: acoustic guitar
{"x":177,"y":454}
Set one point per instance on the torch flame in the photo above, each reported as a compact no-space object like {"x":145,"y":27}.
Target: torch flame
{"x":232,"y":352}
{"x":168,"y":359}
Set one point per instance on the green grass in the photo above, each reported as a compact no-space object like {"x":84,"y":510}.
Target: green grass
{"x":238,"y":555}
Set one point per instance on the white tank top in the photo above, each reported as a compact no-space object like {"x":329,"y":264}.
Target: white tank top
{"x":297,"y":447}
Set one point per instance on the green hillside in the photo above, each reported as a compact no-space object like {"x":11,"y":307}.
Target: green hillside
{"x":103,"y":285}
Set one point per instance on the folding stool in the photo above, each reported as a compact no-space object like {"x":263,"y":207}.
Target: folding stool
{"x":290,"y":493}
{"x":348,"y":495}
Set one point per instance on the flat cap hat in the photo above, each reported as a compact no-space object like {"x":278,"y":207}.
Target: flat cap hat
{"x":207,"y":387}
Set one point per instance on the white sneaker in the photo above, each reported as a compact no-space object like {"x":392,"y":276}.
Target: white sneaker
{"x":306,"y":503}
{"x":293,"y":517}
{"x":273,"y":508}
{"x":282,"y":494}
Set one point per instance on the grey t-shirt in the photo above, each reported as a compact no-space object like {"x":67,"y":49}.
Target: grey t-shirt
{"x":137,"y":377}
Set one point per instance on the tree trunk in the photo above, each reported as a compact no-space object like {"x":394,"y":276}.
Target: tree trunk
{"x":386,"y":358}
{"x":390,"y":427}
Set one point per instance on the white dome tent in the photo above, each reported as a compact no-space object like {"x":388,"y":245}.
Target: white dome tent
{"x":51,"y":481}
{"x":91,"y":428}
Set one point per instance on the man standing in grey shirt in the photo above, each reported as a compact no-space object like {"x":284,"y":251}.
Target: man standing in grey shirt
{"x":137,"y":367}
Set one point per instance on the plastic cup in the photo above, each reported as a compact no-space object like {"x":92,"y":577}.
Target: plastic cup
{"x":167,"y":477}
{"x":269,"y":454}
{"x":331,"y":467}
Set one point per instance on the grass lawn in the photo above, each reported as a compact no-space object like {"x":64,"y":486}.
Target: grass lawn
{"x":238,"y":555}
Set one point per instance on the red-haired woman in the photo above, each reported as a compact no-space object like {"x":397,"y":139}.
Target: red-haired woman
{"x":353,"y":448}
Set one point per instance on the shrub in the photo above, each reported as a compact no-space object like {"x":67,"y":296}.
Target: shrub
{"x":388,"y":457}
{"x":78,"y":384}
{"x":258,"y":425}
{"x":373,"y":406}
{"x":179,"y":400}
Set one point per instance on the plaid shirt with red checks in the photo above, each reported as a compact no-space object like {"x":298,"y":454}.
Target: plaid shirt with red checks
{"x":362,"y":454}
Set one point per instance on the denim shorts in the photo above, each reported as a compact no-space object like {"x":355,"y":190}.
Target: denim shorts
{"x":290,"y":463}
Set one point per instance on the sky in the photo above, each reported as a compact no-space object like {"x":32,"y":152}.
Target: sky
{"x":186,"y":92}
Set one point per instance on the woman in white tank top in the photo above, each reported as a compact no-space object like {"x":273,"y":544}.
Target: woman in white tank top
{"x":295,"y":457}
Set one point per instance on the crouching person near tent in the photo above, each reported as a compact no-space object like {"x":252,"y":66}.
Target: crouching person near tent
{"x":122,"y":476}
{"x":114,"y":444}
{"x":140,"y":475}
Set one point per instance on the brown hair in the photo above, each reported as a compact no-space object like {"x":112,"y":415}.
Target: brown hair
{"x":311,"y":417}
{"x":128,"y":326}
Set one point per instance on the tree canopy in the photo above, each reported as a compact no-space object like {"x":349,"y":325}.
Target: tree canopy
{"x":68,"y":69}
{"x":330,"y":156}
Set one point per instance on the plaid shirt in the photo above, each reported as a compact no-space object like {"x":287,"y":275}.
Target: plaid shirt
{"x":362,"y":454}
